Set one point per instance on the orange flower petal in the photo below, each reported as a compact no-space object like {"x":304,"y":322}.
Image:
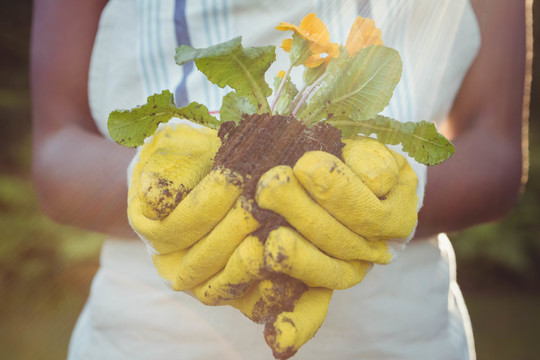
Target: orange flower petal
{"x":291,"y":27}
{"x":315,"y":61}
{"x":312,"y":29}
{"x":363,"y":34}
{"x":333,"y":50}
{"x":315,"y":28}
{"x":286,"y":45}
{"x":315,"y":32}
{"x":283,"y":26}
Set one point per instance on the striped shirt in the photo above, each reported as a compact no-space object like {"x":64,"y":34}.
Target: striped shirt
{"x":411,"y":309}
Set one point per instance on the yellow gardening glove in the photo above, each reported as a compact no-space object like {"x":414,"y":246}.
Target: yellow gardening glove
{"x":292,"y":307}
{"x":287,"y":252}
{"x":342,"y":214}
{"x":348,"y":209}
{"x":287,"y":282}
{"x":292,"y":312}
{"x":288,"y":324}
{"x":183,"y":209}
{"x":201,"y":228}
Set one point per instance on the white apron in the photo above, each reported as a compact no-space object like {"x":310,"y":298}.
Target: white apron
{"x":410,"y":309}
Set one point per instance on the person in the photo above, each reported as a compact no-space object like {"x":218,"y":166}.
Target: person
{"x":410,"y":309}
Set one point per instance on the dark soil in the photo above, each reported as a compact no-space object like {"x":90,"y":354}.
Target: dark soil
{"x":262,"y":141}
{"x":254,"y":146}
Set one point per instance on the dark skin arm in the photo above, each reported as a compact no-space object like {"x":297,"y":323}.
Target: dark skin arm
{"x":81,"y":177}
{"x":481,"y":182}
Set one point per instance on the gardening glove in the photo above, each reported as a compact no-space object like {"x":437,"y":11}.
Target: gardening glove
{"x":347,"y":209}
{"x":292,"y":283}
{"x":289,"y":293}
{"x":284,"y":252}
{"x":183,"y":209}
{"x":291,"y":311}
{"x":342,"y":214}
{"x":291,"y":317}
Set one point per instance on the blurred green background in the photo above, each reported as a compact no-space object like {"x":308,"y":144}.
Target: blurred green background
{"x":46,"y":269}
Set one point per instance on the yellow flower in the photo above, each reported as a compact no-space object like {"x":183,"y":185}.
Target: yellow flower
{"x":316,"y":60}
{"x":363,"y":34}
{"x":315,"y":32}
{"x":281,"y":74}
{"x":286,"y":45}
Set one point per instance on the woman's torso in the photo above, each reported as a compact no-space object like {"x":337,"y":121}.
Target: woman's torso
{"x":410,"y":309}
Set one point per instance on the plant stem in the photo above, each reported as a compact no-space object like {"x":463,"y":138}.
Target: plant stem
{"x":297,"y":98}
{"x":280,"y":89}
{"x":307,"y":93}
{"x":320,"y":72}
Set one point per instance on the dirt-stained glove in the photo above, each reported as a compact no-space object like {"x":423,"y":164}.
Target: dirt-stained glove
{"x":183,"y":209}
{"x":202,"y":235}
{"x":345,"y":217}
{"x":292,"y":307}
{"x":288,"y":324}
{"x":347,"y":209}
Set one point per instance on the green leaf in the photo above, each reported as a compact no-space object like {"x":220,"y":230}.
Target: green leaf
{"x":234,"y":107}
{"x":230,"y":64}
{"x":286,"y":97}
{"x":358,"y":87}
{"x":131,"y":127}
{"x":420,"y":140}
{"x":312,"y":74}
{"x":199,"y":114}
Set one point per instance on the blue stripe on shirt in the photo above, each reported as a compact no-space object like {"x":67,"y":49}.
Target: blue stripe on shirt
{"x":182,"y":37}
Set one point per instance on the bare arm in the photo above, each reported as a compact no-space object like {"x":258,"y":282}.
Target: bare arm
{"x":80,"y":176}
{"x":481,"y":181}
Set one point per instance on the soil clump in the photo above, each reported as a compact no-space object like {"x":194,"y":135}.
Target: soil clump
{"x":260,"y":142}
{"x":257,"y":144}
